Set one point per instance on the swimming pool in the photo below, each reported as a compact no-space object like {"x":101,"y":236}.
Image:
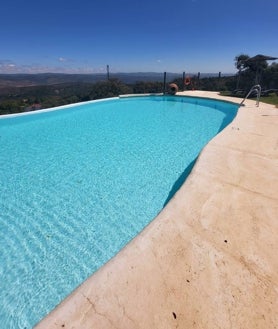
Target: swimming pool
{"x":79,"y":183}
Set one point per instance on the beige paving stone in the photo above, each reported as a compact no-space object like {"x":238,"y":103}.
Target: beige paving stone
{"x":252,"y":172}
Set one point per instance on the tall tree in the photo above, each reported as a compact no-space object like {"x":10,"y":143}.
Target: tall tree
{"x":241,"y":65}
{"x":241,"y":62}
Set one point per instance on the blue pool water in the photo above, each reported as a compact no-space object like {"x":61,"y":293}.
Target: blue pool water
{"x":79,"y":183}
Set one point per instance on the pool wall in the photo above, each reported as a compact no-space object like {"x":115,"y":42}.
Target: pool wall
{"x":207,"y":260}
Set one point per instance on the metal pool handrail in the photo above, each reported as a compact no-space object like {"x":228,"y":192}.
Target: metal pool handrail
{"x":256,"y":88}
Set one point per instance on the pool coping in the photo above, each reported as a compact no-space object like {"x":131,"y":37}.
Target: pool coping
{"x":207,"y":260}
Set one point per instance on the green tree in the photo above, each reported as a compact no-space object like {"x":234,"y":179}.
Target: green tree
{"x":241,"y":62}
{"x":111,"y":88}
{"x":242,"y":66}
{"x":250,"y":70}
{"x":270,"y":76}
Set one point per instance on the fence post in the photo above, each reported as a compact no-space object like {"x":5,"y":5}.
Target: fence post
{"x":164,"y":84}
{"x":107,"y":68}
{"x":219,"y":78}
{"x":183,"y":79}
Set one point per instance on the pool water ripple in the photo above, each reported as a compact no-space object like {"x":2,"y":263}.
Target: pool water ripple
{"x":79,"y":183}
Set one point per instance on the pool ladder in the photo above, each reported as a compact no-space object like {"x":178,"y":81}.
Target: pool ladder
{"x":257,"y":89}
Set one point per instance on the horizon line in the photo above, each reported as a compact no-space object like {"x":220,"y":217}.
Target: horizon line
{"x":111,"y":73}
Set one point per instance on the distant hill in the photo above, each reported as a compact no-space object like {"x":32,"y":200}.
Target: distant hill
{"x":28,"y":80}
{"x":30,"y":92}
{"x":42,"y":79}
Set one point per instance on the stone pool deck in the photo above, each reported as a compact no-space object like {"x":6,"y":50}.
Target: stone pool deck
{"x":209,"y":259}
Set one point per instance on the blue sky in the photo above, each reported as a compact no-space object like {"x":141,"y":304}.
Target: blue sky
{"x":134,"y":35}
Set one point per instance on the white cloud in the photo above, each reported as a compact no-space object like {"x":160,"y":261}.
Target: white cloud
{"x":62,"y":59}
{"x":8,"y":67}
{"x":63,"y":65}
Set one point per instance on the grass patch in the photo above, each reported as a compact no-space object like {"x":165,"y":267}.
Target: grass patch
{"x":270,"y":99}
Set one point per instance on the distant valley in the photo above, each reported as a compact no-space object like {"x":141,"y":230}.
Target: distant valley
{"x":42,"y":79}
